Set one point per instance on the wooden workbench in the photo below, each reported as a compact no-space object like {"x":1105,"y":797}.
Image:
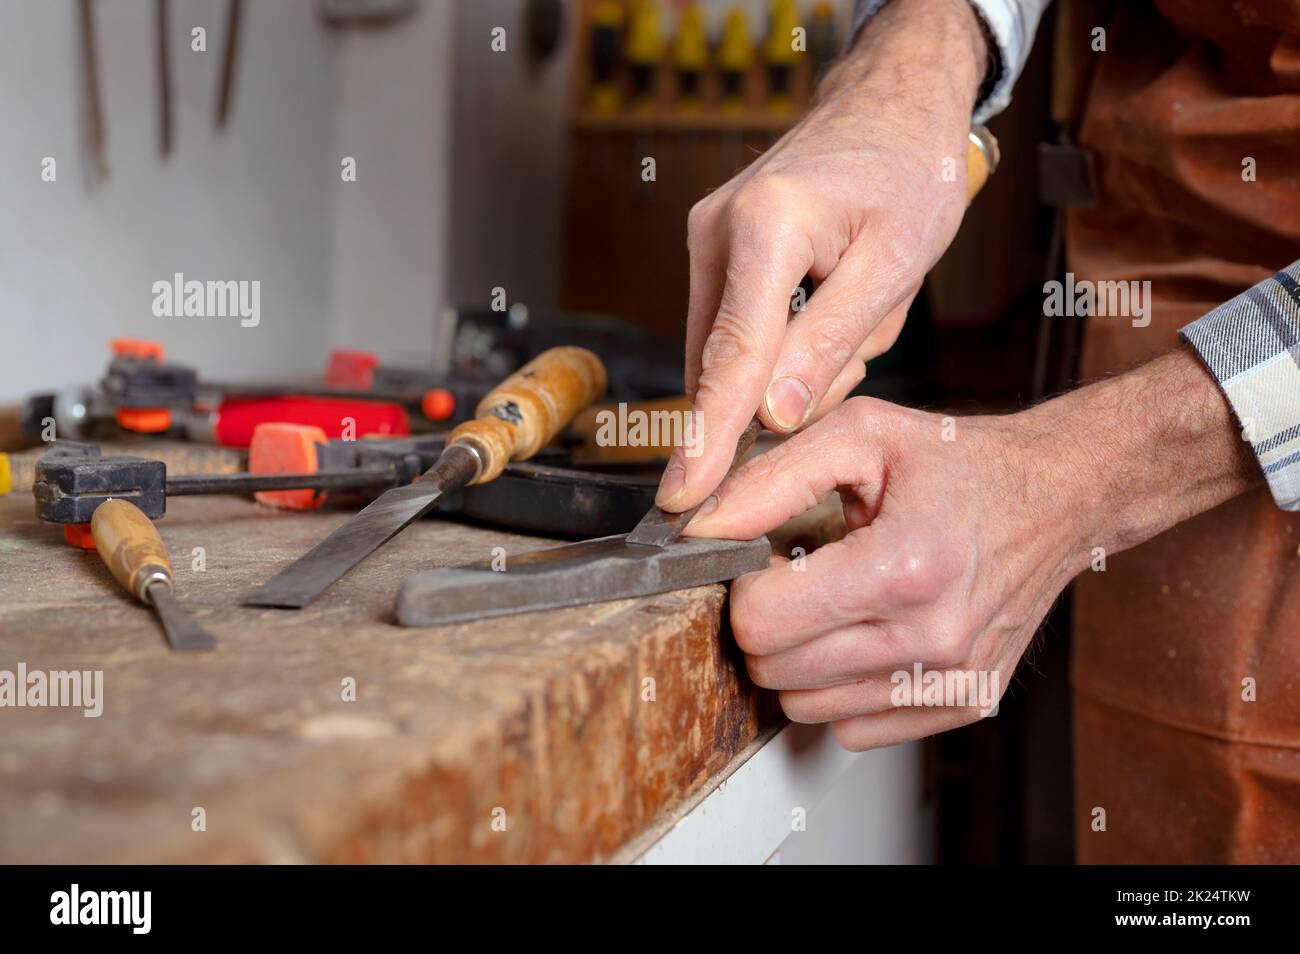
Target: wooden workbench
{"x":539,"y":720}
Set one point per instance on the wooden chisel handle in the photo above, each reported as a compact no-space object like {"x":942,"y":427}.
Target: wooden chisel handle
{"x":520,"y":415}
{"x":130,"y":546}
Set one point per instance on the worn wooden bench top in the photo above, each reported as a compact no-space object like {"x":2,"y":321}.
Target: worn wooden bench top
{"x":540,"y":721}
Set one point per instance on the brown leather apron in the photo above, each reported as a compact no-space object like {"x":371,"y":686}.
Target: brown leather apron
{"x":1168,"y":639}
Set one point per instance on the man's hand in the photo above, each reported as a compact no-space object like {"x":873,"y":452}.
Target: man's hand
{"x":864,"y":195}
{"x":963,"y":531}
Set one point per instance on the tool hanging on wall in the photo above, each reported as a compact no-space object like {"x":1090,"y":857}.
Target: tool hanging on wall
{"x":226,"y":88}
{"x":164,"y":82}
{"x":136,"y":556}
{"x":645,"y":50}
{"x":780,"y":52}
{"x":543,"y":29}
{"x":690,"y":57}
{"x":513,"y":422}
{"x":606,"y":26}
{"x":95,"y":132}
{"x":735,"y":57}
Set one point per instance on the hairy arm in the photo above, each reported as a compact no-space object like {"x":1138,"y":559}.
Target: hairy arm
{"x":1141,"y":451}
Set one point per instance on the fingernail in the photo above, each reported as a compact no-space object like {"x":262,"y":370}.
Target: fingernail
{"x":674,"y":479}
{"x":787,"y":402}
{"x":706,"y":508}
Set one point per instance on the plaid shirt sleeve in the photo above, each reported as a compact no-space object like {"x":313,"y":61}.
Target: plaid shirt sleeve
{"x":1010,"y":25}
{"x":1252,"y":347}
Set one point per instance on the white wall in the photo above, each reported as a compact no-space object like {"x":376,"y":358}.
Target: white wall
{"x":875,"y":814}
{"x":509,"y":160}
{"x":392,"y":227}
{"x":252,"y":202}
{"x":460,"y":152}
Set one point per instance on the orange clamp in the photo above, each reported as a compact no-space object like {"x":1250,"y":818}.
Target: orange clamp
{"x":279,"y":448}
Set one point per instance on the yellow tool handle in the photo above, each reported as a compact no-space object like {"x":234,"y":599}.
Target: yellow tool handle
{"x":665,"y":421}
{"x":520,"y":415}
{"x":130,"y":546}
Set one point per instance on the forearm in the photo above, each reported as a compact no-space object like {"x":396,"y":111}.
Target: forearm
{"x":911,"y":52}
{"x":1139,"y":452}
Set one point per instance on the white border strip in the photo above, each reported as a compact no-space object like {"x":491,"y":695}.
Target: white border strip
{"x":747,"y":817}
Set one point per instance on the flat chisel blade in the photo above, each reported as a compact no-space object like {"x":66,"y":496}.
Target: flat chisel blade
{"x":312,"y":573}
{"x":593,"y":571}
{"x":658,"y":527}
{"x":183,"y":633}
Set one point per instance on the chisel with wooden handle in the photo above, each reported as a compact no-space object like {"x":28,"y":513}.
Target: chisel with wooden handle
{"x":513,"y":422}
{"x":137,"y":558}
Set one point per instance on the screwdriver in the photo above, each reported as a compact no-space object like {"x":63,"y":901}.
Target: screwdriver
{"x":134,"y":553}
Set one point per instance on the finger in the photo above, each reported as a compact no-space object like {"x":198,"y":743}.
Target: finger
{"x":900,"y":688}
{"x":765,"y":260}
{"x":867,"y":696}
{"x":860,"y":733}
{"x":841,"y":584}
{"x":780,"y":608}
{"x":883,"y":574}
{"x":825,"y":336}
{"x":706,"y":242}
{"x":816,"y":656}
{"x":839,"y":657}
{"x":769,"y":489}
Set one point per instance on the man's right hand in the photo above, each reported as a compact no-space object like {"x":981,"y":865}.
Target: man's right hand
{"x":864,"y":195}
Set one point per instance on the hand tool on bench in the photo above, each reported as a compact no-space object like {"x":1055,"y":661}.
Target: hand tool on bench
{"x":72,"y":480}
{"x":542,"y":495}
{"x":513,"y":422}
{"x":135,"y":555}
{"x":593,"y":571}
{"x":145,"y":394}
{"x":650,"y":559}
{"x":546,"y":495}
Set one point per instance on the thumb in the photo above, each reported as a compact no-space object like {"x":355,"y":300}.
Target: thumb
{"x":771,"y":488}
